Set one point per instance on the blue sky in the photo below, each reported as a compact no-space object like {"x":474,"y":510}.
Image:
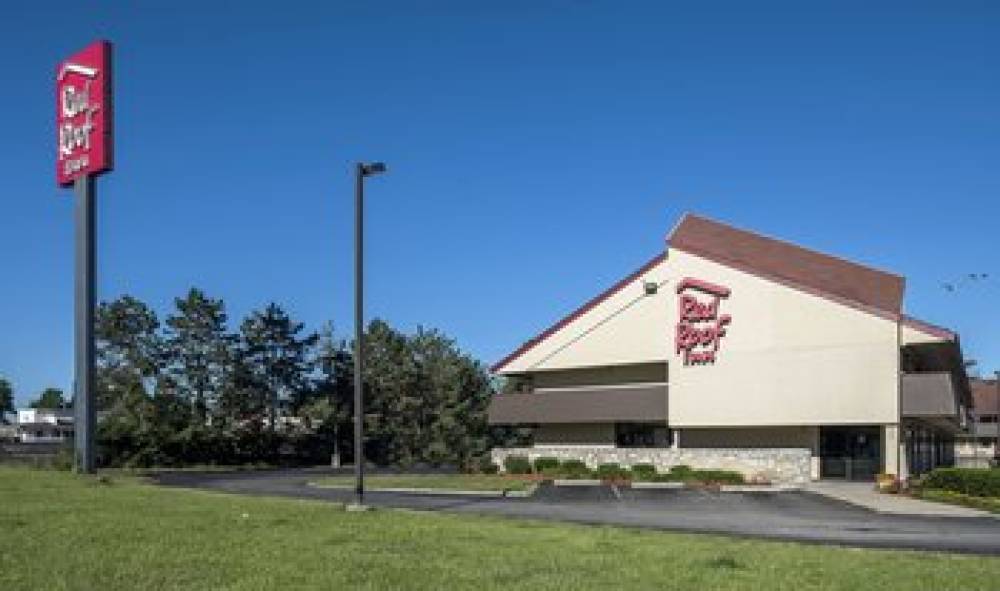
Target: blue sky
{"x":538,"y":152}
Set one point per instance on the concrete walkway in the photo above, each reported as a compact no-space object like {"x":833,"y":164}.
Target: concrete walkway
{"x":863,"y":494}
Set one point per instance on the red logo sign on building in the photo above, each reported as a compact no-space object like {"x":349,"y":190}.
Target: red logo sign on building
{"x":83,"y":113}
{"x":700,"y":327}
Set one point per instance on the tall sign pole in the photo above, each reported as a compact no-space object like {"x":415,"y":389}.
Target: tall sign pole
{"x":84,"y":137}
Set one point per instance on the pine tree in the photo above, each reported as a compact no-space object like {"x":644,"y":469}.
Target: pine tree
{"x":6,"y":399}
{"x":199,"y":351}
{"x":278,"y":358}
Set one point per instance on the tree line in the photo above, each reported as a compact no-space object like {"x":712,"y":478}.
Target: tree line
{"x":190,"y":390}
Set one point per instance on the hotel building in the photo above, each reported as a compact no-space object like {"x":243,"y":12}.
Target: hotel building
{"x":734,"y":350}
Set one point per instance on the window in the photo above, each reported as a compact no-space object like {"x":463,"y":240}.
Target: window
{"x":642,"y":435}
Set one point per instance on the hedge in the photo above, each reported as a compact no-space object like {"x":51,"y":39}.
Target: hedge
{"x":646,"y":472}
{"x":546,"y":464}
{"x":613,"y":471}
{"x":977,"y":482}
{"x":575,"y":470}
{"x":517,"y":465}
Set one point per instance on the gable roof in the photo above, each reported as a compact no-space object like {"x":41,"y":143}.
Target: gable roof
{"x":821,"y":274}
{"x":579,"y":312}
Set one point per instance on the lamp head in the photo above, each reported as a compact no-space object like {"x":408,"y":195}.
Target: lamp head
{"x":372,"y":168}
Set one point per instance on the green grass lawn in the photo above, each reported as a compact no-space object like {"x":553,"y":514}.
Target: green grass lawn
{"x":991,"y":504}
{"x":59,"y":531}
{"x":474,"y":482}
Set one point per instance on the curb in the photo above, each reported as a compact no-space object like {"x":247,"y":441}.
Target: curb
{"x":681,"y":485}
{"x":437,"y":491}
{"x":581,"y":482}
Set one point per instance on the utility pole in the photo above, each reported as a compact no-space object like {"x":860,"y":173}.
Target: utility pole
{"x":361,"y":171}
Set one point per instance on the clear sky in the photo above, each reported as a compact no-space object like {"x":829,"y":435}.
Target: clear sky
{"x":538,"y":152}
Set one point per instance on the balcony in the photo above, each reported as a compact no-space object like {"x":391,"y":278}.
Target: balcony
{"x":934,"y":398}
{"x":592,"y":404}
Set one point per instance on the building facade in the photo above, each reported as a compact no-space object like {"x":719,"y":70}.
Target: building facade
{"x":44,"y":425}
{"x":734,"y":350}
{"x":978,"y":447}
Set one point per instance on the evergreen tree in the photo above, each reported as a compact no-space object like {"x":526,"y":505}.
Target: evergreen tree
{"x":278,"y":357}
{"x":129,"y":357}
{"x":6,"y":399}
{"x":199,"y":352}
{"x":129,"y":350}
{"x":329,"y":409}
{"x":50,"y":398}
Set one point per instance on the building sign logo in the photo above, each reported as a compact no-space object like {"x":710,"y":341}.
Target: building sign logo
{"x":83,"y":113}
{"x":700,"y":327}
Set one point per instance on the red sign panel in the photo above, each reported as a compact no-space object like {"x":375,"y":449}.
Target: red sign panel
{"x":700,"y":327}
{"x":83,"y":113}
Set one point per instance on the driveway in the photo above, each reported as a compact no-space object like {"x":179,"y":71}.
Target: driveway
{"x":790,"y":515}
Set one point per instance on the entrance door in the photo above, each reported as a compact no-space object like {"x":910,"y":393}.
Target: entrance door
{"x":851,"y":453}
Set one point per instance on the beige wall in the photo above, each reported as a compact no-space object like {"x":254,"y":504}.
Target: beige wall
{"x":600,"y":376}
{"x":575,"y":434}
{"x":623,"y":329}
{"x":788,"y":358}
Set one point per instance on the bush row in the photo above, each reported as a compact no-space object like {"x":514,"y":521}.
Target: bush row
{"x":978,"y":482}
{"x":575,"y":469}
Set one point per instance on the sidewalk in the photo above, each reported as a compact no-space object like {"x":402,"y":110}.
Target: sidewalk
{"x":864,"y":495}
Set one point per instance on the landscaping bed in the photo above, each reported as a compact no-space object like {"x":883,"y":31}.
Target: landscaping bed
{"x":978,"y":488}
{"x":554,"y":469}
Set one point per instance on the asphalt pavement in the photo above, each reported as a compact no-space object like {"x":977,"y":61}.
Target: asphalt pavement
{"x":786,"y":515}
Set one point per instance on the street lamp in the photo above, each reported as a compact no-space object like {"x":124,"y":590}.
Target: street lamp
{"x":362,"y":170}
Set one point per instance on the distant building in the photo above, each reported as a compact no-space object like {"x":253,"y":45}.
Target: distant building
{"x":978,"y":447}
{"x":44,"y":425}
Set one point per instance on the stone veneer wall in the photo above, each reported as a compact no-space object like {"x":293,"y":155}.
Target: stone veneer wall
{"x":779,"y":465}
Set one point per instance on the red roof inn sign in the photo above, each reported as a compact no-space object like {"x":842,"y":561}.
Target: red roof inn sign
{"x":83,"y":113}
{"x":700,"y":327}
{"x":83,"y":151}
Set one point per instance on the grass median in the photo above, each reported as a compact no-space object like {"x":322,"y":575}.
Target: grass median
{"x":439,"y":482}
{"x":61,"y":531}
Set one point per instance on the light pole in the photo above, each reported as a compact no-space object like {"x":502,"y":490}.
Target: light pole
{"x":996,"y":419}
{"x":362,"y":170}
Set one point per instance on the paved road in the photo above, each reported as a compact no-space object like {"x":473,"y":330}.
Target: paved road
{"x":798,"y":515}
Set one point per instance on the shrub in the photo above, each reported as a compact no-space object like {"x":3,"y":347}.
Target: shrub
{"x":680,"y":470}
{"x":489,"y":468}
{"x":718,"y":476}
{"x":683,"y":473}
{"x":613,"y":471}
{"x":977,"y":482}
{"x":546,"y":464}
{"x":575,"y":470}
{"x":645,"y":472}
{"x":517,"y":465}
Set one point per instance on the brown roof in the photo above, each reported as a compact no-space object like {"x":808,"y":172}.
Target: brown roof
{"x":984,"y":396}
{"x":824,"y":275}
{"x":931,"y":329}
